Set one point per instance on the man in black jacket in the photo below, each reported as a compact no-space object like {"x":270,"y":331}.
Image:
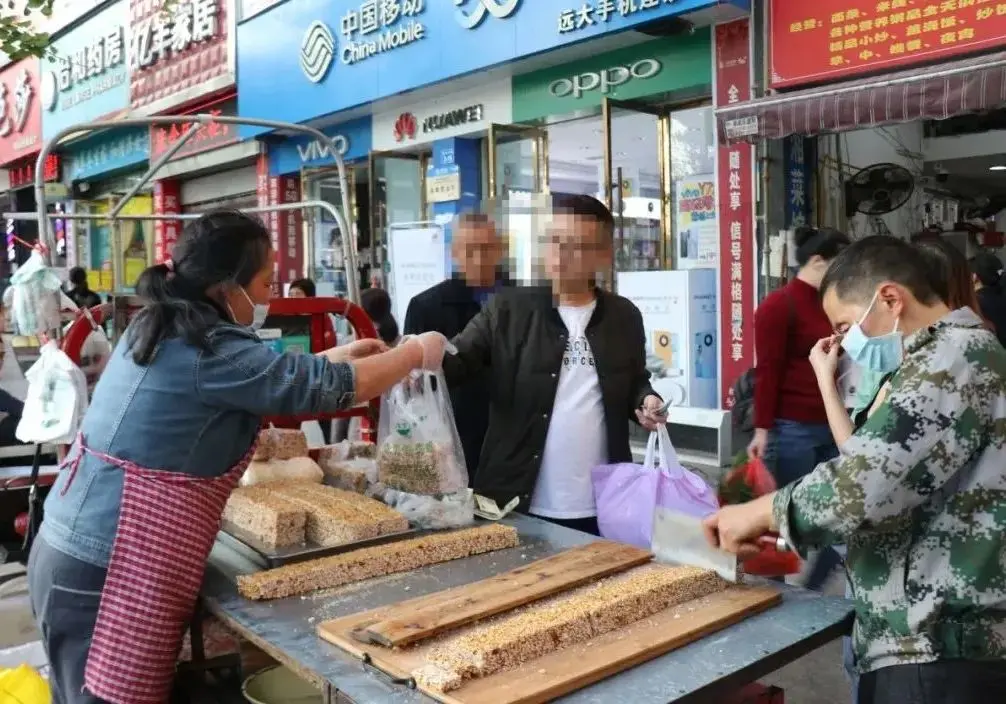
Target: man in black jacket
{"x":567,"y":372}
{"x":448,"y":307}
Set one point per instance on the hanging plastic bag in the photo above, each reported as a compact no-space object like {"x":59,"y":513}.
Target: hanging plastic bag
{"x":34,"y":301}
{"x":97,"y":348}
{"x":626,"y":495}
{"x":748,"y":480}
{"x":418,"y":449}
{"x":56,"y":400}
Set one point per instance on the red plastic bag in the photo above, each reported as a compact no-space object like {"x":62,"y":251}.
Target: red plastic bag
{"x":748,"y":480}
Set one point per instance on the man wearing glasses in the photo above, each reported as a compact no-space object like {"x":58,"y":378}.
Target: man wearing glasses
{"x":567,"y":370}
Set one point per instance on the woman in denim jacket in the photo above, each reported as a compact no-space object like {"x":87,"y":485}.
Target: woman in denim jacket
{"x":131,"y":519}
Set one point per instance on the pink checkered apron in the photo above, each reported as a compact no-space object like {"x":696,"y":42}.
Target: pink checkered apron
{"x":167,"y":525}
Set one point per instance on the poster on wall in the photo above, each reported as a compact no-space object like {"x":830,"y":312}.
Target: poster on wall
{"x":679,"y":318}
{"x":695,"y":222}
{"x":418,"y":257}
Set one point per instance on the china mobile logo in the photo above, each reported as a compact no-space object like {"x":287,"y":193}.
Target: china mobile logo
{"x":500,"y":9}
{"x":317,"y":50}
{"x":405,"y":127}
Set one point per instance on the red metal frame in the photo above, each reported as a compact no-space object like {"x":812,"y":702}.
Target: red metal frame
{"x":318,"y":308}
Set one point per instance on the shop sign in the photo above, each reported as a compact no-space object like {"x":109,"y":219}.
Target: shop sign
{"x":210,"y":136}
{"x":657,"y":66}
{"x":22,"y":174}
{"x":375,"y":28}
{"x":334,"y":56}
{"x":180,"y":53}
{"x":20,"y":111}
{"x":352,"y":139}
{"x":167,"y":201}
{"x":797,"y":157}
{"x":87,"y":77}
{"x":443,"y":184}
{"x":454,"y":115}
{"x":102,"y":154}
{"x":735,"y":190}
{"x":829,"y":40}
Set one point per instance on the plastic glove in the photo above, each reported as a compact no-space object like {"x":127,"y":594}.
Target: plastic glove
{"x":434,"y":346}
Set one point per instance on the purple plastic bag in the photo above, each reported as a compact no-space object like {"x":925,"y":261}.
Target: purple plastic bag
{"x":626,"y":495}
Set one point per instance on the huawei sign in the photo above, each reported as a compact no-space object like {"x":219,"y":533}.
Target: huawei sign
{"x":405,"y":127}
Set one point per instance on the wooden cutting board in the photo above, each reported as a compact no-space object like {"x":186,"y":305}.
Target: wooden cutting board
{"x":417,"y":619}
{"x":574,"y":667}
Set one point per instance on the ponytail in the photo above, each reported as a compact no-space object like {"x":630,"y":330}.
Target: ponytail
{"x":222,"y":246}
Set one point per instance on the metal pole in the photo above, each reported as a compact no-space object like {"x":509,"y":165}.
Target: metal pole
{"x":155,"y":167}
{"x":340,"y":219}
{"x":349,"y":251}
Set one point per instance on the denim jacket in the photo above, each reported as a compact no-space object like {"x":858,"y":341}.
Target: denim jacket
{"x":190,"y":410}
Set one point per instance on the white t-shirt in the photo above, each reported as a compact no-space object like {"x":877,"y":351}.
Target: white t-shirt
{"x":577,"y":438}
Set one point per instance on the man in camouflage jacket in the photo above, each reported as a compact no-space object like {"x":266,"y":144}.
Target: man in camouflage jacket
{"x":918,"y":493}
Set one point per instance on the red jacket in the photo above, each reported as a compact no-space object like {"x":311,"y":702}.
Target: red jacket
{"x":788,"y":323}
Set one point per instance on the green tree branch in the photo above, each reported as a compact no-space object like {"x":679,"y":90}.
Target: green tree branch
{"x":18,"y":38}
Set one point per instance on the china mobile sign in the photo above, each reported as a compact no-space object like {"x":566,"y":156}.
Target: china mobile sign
{"x":735,"y":191}
{"x":179,"y":51}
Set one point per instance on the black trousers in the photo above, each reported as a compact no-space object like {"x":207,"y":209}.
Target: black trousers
{"x":584,"y":525}
{"x":947,"y":682}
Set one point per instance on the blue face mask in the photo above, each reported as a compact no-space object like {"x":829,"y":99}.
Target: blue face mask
{"x":881,"y":354}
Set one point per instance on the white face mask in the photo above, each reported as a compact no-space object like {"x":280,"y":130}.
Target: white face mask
{"x":260,"y":311}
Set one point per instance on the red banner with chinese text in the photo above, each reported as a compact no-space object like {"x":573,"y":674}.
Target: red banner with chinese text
{"x":825,"y":40}
{"x":263,"y":195}
{"x":210,"y":136}
{"x":291,"y":229}
{"x":167,"y":201}
{"x":735,"y":212}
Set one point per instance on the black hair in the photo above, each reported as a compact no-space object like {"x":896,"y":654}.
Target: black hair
{"x":78,"y":277}
{"x":864,"y":265}
{"x":988,"y":268}
{"x":949,"y":272}
{"x":824,"y":242}
{"x":586,"y":207}
{"x":305,"y":285}
{"x":377,"y":304}
{"x":222,"y":246}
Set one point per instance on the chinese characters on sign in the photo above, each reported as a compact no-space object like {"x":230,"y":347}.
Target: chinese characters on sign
{"x":173,"y":31}
{"x":377,"y":26}
{"x":167,"y":201}
{"x":834,"y":38}
{"x":601,"y":11}
{"x":797,"y":156}
{"x":736,"y":212}
{"x":208,"y":137}
{"x":93,"y":61}
{"x":120,"y":150}
{"x":23,"y":174}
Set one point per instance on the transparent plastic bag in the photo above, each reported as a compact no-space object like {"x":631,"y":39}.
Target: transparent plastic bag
{"x":418,"y":448}
{"x":428,"y":512}
{"x":34,"y":297}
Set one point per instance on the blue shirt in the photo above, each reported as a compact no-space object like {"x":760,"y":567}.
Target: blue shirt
{"x":190,"y":410}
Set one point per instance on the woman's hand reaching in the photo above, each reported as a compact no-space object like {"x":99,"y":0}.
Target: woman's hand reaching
{"x":359,"y":349}
{"x":824,"y":358}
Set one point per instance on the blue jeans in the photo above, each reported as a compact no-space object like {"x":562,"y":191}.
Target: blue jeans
{"x":794,"y":450}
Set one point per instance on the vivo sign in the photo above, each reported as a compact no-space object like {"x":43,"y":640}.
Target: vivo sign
{"x":604,"y":80}
{"x":315,"y":150}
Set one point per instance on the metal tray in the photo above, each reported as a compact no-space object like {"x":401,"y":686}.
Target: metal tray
{"x":266,"y":557}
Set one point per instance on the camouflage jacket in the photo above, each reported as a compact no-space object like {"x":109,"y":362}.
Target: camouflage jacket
{"x":918,"y":494}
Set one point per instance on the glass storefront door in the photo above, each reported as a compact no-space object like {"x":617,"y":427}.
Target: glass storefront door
{"x":397,"y":195}
{"x":324,"y":240}
{"x":518,"y":160}
{"x":636,"y":188}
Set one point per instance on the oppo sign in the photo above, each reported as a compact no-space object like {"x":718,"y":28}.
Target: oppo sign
{"x":605,"y":80}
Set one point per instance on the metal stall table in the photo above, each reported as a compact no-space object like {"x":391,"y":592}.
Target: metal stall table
{"x":706,"y":671}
